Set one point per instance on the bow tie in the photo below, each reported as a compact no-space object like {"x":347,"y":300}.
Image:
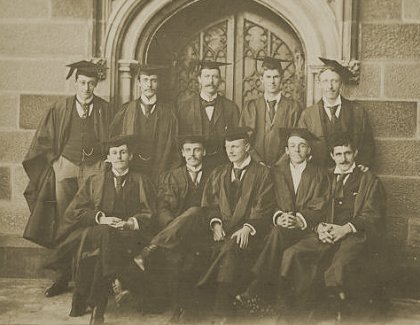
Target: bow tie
{"x":205,"y":103}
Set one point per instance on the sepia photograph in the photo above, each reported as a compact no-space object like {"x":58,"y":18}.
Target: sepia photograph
{"x":215,"y":162}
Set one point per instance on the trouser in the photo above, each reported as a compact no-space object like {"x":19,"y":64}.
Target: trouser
{"x":68,"y":178}
{"x":107,"y":254}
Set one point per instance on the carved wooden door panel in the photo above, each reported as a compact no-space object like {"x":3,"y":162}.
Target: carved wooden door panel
{"x":239,"y":39}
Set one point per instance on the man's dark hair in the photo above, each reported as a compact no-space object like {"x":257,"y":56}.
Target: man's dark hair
{"x":341,"y":140}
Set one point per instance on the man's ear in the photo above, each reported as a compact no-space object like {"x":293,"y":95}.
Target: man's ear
{"x":356,"y":152}
{"x":204,"y":152}
{"x":248,"y":147}
{"x":130,"y":156}
{"x":332,"y":155}
{"x":286,"y":150}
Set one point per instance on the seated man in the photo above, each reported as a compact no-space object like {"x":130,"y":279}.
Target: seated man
{"x":301,"y":190}
{"x":236,"y":204}
{"x":349,"y":241}
{"x":115,"y":207}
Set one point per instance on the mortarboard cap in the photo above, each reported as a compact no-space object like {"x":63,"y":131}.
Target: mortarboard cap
{"x":149,"y":69}
{"x":120,"y":140}
{"x":208,"y":64}
{"x":269,"y":62}
{"x":87,"y":68}
{"x":238,"y":133}
{"x":344,"y":72}
{"x":299,"y":132}
{"x":182,"y":139}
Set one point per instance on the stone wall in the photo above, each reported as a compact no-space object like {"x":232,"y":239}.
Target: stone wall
{"x":39,"y":37}
{"x":390,"y":90}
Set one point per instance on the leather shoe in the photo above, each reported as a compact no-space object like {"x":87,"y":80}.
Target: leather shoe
{"x":140,"y":259}
{"x":56,"y":289}
{"x":97,"y":316}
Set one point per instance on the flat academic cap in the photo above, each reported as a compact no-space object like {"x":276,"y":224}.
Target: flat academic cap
{"x":238,"y":133}
{"x":120,"y":140}
{"x":182,"y":139}
{"x":149,"y":69}
{"x":269,"y":62}
{"x":87,"y":68}
{"x":344,"y":72}
{"x":208,"y":64}
{"x":298,"y":132}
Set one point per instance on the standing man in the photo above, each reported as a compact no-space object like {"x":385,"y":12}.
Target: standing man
{"x":115,"y":208}
{"x":334,"y":114}
{"x":301,"y":190}
{"x":152,"y":122}
{"x":350,"y":241}
{"x":208,"y":114}
{"x":268,"y":113}
{"x":66,"y":149}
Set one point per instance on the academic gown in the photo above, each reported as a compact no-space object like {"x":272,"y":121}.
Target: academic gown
{"x":254,"y":206}
{"x":47,"y":145}
{"x":164,"y":132}
{"x":225,"y":116}
{"x":311,"y":200}
{"x":268,"y":145}
{"x":356,"y":124}
{"x":114,"y":249}
{"x":304,"y":260}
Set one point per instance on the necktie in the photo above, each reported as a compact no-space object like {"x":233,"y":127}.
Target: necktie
{"x":147,"y":109}
{"x":85,"y":110}
{"x":339,"y":189}
{"x":194,"y":175}
{"x":119,"y":181}
{"x":333,"y":110}
{"x":205,"y":103}
{"x":271,"y":110}
{"x":238,"y":173}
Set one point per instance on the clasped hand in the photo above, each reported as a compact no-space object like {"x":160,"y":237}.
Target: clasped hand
{"x":117,"y":223}
{"x":330,"y":233}
{"x":289,"y":221}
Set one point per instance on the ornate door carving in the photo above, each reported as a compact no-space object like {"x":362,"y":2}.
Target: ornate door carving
{"x":239,"y":39}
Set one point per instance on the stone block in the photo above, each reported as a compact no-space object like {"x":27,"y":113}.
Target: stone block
{"x":13,"y":217}
{"x":390,"y":41}
{"x":24,"y":9}
{"x":392,"y":119}
{"x":44,"y":39}
{"x":32,"y":75}
{"x":33,"y":108}
{"x":398,"y":157}
{"x":413,"y":238}
{"x":71,"y":8}
{"x":19,"y":182}
{"x":9,"y":111}
{"x":411,"y":9}
{"x":5,"y":187}
{"x":372,"y":10}
{"x":401,"y":81}
{"x":402,"y":195}
{"x":369,"y":85}
{"x":397,"y":229}
{"x":14,"y":145}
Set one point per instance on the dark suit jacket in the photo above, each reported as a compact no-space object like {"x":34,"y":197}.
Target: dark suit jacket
{"x":357,"y":123}
{"x":268,"y":145}
{"x":172,"y":194}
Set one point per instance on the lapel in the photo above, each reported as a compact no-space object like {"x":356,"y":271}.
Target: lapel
{"x":287,"y":174}
{"x":319,"y":121}
{"x":347,"y":115}
{"x":225,"y":191}
{"x":260,"y":113}
{"x":247,"y":186}
{"x":218,"y":110}
{"x":197,"y":123}
{"x":304,"y":185}
{"x":159,"y":114}
{"x":65,"y":122}
{"x":106,"y":192}
{"x":100,"y":121}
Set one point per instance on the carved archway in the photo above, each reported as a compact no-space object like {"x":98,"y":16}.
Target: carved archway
{"x":323,"y":27}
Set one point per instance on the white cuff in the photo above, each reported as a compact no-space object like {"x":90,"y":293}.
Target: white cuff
{"x":98,"y":215}
{"x":300,"y":216}
{"x":136,"y":223}
{"x":276,"y":215}
{"x":213,"y":221}
{"x":353,"y":228}
{"x":253,"y":231}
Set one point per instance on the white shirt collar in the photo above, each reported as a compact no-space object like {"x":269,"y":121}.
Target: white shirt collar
{"x":299,"y":167}
{"x":148,"y":101}
{"x":244,"y":163}
{"x":268,"y":97}
{"x":338,"y":171}
{"x":337,"y":102}
{"x":194,"y":169}
{"x":79,"y":107}
{"x":116,"y":173}
{"x":206,"y":97}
